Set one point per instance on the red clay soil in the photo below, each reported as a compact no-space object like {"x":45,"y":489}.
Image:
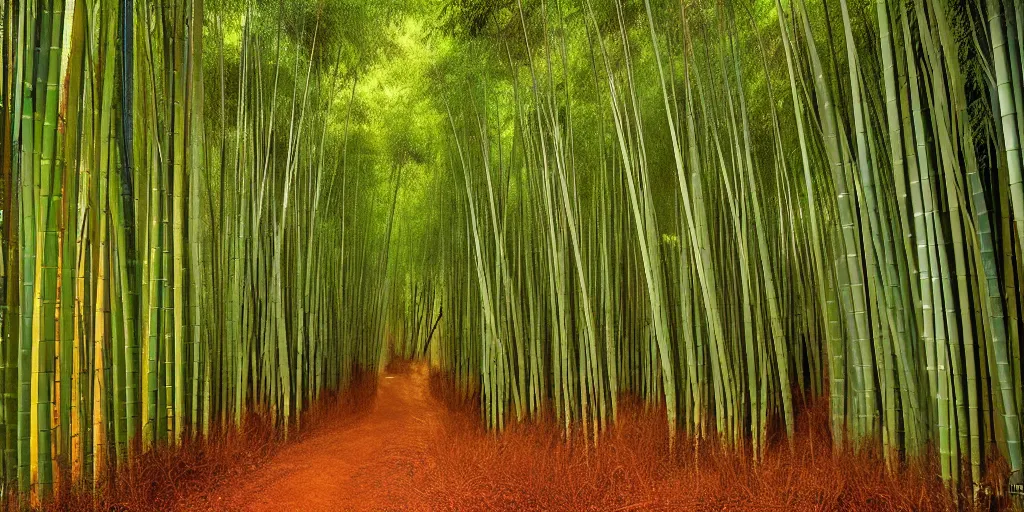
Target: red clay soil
{"x":369,"y":464}
{"x":420,"y":448}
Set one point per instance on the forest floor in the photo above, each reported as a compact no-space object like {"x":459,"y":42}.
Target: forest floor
{"x":419,"y":447}
{"x":368,"y":464}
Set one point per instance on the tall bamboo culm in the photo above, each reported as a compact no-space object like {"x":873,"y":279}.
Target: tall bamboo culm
{"x":156,"y":248}
{"x":730,"y":208}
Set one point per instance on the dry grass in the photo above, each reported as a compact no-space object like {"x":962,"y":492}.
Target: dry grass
{"x":180,"y":477}
{"x":531,"y":467}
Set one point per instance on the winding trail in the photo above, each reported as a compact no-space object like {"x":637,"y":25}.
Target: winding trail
{"x":369,"y":464}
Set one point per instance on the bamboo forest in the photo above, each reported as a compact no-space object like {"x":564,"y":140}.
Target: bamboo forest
{"x":511,"y":254}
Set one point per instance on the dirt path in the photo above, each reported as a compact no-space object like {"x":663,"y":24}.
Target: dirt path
{"x":367,"y":465}
{"x":410,"y":451}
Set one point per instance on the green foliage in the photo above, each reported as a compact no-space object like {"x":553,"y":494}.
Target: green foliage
{"x":727,"y":208}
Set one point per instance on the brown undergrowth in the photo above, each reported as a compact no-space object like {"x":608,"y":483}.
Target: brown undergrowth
{"x":531,"y":466}
{"x":176,"y":477}
{"x":398,"y":365}
{"x":433,"y":453}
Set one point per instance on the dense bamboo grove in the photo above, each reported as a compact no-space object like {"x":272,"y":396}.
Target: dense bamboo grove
{"x":728,"y":208}
{"x":178,"y":221}
{"x":731,"y":207}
